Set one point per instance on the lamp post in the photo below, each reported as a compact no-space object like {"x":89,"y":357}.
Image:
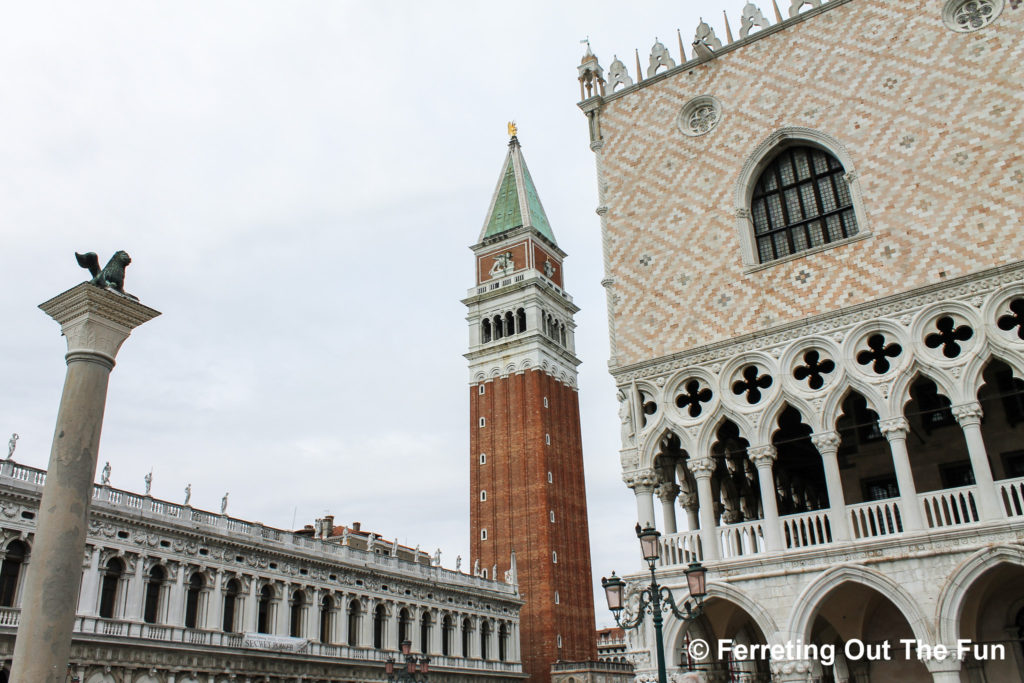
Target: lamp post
{"x":416,"y":668}
{"x":656,"y":599}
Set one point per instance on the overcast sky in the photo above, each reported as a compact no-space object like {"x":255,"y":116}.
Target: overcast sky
{"x":297,"y":184}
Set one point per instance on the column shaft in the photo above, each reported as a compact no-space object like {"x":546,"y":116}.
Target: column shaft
{"x":969,"y":417}
{"x":43,"y":643}
{"x":895,"y":431}
{"x":827,"y":444}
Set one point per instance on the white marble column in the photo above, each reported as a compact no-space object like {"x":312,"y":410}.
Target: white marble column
{"x":667,"y":493}
{"x":215,"y":604}
{"x":283,"y":604}
{"x":434,"y":640}
{"x":95,"y":323}
{"x":969,"y":417}
{"x":895,"y":430}
{"x":89,"y":597}
{"x":314,"y":614}
{"x":252,"y":607}
{"x":763,"y":458}
{"x":176,"y":612}
{"x":136,"y":591}
{"x":827,"y":444}
{"x":643,"y":482}
{"x":343,"y":625}
{"x":702,"y":469}
{"x":366,"y":625}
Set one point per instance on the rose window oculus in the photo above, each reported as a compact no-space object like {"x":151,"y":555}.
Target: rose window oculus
{"x":801,"y":201}
{"x":964,"y":16}
{"x":699,"y":116}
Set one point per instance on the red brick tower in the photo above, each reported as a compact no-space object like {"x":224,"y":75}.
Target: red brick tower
{"x":526,"y":460}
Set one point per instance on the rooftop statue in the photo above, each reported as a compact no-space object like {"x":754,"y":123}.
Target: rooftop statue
{"x":112,"y":275}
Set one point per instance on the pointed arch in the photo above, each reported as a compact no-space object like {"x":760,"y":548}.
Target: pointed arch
{"x":833,"y":408}
{"x":900,"y":396}
{"x":709,"y":433}
{"x":770,"y":422}
{"x":809,"y":601}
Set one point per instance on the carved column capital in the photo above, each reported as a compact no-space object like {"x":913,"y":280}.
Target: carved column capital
{"x":688,"y":501}
{"x":667,"y":492}
{"x":894,"y":428}
{"x":701,"y":468}
{"x":968,"y":413}
{"x":762,"y":456}
{"x":641,"y":481}
{"x":826,"y":442}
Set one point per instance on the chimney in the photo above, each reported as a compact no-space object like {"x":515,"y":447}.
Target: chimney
{"x":356,"y":526}
{"x":328,"y":525}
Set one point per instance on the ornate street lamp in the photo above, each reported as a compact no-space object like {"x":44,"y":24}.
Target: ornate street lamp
{"x":656,"y":599}
{"x":416,"y":668}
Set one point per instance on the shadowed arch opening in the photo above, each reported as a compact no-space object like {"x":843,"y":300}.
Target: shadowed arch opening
{"x":1002,"y":428}
{"x":799,"y":474}
{"x":935,"y":442}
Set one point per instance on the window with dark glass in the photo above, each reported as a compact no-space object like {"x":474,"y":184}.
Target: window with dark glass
{"x":230,"y":600}
{"x":195,"y":587}
{"x":9,"y":572}
{"x":108,"y":588}
{"x":151,"y":608}
{"x":801,"y":201}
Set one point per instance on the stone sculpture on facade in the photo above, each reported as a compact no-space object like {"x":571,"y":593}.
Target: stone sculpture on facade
{"x":458,"y":563}
{"x":188,"y":493}
{"x":112,"y":275}
{"x":11,"y":445}
{"x":149,"y":482}
{"x":626,"y":418}
{"x":224,"y":503}
{"x":105,"y":475}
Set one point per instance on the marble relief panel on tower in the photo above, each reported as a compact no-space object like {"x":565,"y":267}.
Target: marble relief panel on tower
{"x":941,"y":106}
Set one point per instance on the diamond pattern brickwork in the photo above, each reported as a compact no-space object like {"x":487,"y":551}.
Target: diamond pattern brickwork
{"x":930,"y":129}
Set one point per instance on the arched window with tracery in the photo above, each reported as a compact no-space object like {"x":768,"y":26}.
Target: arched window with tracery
{"x":800,"y":201}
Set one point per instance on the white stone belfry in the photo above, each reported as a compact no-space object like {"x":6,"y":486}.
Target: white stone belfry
{"x":96,"y":322}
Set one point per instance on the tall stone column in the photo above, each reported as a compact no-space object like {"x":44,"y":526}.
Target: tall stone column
{"x":345,"y":604}
{"x":702,"y":469}
{"x":667,"y":493}
{"x":643,"y":482}
{"x":763,"y":458}
{"x":827,"y":444}
{"x":95,"y":322}
{"x":969,"y":417}
{"x":895,"y":430}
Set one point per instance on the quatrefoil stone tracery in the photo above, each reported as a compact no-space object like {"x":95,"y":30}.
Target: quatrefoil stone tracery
{"x":1014,"y":319}
{"x":751,"y":384}
{"x":948,"y":336}
{"x":878,"y":353}
{"x":813,"y":369}
{"x":692,"y":396}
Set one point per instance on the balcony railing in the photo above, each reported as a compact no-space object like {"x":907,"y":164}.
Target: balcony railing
{"x":868,"y":522}
{"x":120,"y":628}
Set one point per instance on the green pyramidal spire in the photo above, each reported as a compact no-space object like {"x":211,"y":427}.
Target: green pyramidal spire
{"x":515,"y":201}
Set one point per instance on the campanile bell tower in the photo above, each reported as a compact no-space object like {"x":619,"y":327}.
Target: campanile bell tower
{"x":527,"y":493}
